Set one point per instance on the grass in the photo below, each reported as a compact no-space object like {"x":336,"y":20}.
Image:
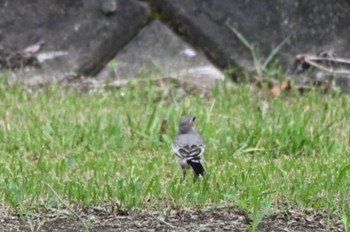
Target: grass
{"x":263,"y":154}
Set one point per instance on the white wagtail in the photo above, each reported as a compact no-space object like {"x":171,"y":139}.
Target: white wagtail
{"x":189,"y":147}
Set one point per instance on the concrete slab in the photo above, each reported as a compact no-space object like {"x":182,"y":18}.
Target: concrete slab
{"x":157,"y":51}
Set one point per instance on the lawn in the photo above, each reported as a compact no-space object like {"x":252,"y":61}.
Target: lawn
{"x":264,"y":154}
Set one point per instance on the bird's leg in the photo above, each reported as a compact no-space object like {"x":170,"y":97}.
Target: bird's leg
{"x":183,"y":174}
{"x":195,"y":178}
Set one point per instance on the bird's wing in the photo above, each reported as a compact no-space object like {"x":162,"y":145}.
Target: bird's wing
{"x":189,"y":148}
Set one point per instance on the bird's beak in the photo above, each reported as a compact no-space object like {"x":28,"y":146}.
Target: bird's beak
{"x":193,"y":120}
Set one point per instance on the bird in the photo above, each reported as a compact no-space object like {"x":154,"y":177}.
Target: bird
{"x":189,"y":147}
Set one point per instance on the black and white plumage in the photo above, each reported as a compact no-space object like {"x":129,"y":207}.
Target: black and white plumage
{"x":189,"y":147}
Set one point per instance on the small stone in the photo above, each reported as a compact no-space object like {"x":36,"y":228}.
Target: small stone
{"x":109,"y":6}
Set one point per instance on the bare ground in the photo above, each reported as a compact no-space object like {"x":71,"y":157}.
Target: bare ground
{"x":177,"y":220}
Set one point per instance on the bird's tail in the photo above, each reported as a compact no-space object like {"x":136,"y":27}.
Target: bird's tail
{"x":197,"y":168}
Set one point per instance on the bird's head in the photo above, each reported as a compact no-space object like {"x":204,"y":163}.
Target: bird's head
{"x":186,"y":123}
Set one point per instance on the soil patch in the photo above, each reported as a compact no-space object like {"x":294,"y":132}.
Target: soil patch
{"x":176,"y":220}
